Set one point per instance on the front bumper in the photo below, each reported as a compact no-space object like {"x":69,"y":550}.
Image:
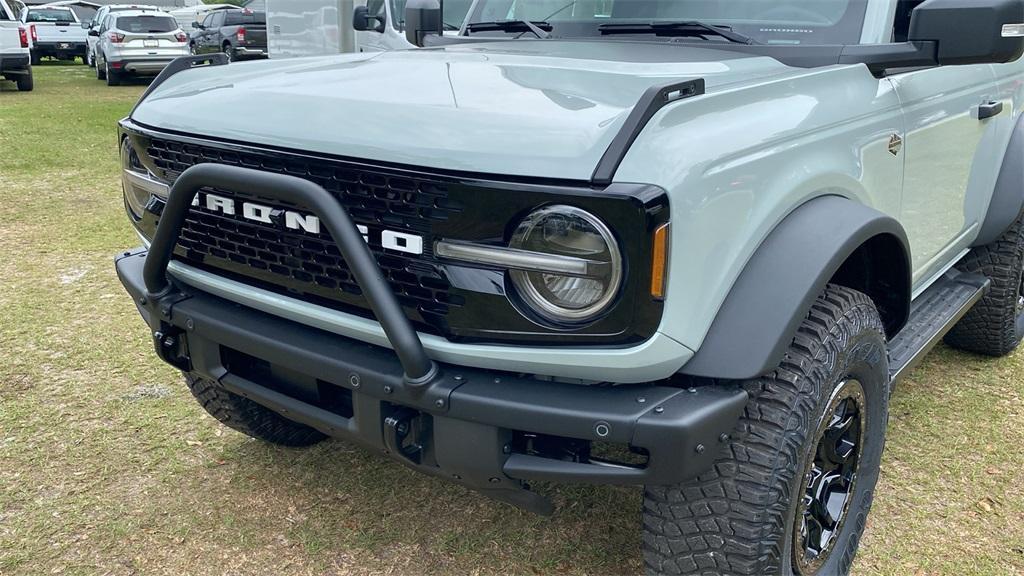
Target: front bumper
{"x":470,"y":422}
{"x":490,"y":430}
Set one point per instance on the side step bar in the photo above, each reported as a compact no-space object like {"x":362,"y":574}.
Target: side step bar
{"x":932,"y":315}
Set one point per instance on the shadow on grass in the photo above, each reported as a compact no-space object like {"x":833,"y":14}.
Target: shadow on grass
{"x":360,"y":500}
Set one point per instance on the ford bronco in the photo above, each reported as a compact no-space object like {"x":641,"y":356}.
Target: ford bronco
{"x":684,"y":244}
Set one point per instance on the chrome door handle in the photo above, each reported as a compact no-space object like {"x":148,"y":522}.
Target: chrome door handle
{"x":990,"y":109}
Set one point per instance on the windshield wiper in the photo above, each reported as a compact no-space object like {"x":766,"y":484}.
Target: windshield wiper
{"x":681,"y":28}
{"x":539,"y":29}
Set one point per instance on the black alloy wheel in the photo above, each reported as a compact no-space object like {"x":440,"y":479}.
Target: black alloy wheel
{"x":830,"y":478}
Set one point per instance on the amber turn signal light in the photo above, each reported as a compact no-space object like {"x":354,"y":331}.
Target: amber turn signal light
{"x":659,"y":262}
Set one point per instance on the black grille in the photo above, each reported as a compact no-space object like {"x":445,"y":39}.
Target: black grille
{"x":310,"y":265}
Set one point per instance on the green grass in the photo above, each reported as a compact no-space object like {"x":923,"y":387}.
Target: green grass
{"x":107,"y":465}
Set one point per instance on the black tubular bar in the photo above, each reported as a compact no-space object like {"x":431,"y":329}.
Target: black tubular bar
{"x":419,"y":368}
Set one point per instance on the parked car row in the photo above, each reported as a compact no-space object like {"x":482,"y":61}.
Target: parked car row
{"x":15,"y":62}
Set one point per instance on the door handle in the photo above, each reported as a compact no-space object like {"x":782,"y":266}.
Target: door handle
{"x":990,"y":109}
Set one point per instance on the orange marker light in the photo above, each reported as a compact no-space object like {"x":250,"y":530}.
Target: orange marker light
{"x":659,"y":262}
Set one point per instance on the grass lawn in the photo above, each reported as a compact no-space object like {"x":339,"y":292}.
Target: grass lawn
{"x":107,"y":465}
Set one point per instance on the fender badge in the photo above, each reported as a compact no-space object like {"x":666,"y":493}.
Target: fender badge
{"x":895,"y":144}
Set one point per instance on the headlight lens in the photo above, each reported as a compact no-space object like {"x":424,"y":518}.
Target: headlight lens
{"x":135,"y":197}
{"x":568,"y":231}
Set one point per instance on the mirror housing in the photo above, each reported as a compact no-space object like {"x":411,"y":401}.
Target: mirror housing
{"x":970,"y":31}
{"x":86,"y":25}
{"x":363,"y":21}
{"x":197,"y":25}
{"x":93,"y":32}
{"x":423,"y":19}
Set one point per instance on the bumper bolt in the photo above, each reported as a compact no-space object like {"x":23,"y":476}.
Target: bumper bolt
{"x":456,"y":476}
{"x":723,"y":438}
{"x":353,"y":380}
{"x":602,"y":429}
{"x":458,"y":378}
{"x":190,"y":324}
{"x":497,"y":380}
{"x":659,"y":409}
{"x":142,"y":300}
{"x":494,"y":480}
{"x":699,"y":449}
{"x":439,"y":403}
{"x":506,"y":449}
{"x":691,"y":390}
{"x":641,"y":400}
{"x":387,"y":389}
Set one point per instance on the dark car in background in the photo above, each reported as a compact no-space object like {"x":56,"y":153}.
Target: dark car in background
{"x":240,"y":34}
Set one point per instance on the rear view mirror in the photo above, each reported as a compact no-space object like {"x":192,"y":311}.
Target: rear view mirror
{"x":94,"y":32}
{"x":422,"y":19}
{"x":971,"y":31}
{"x":85,"y":25}
{"x":363,"y":21}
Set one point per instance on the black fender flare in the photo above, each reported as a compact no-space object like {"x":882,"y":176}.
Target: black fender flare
{"x":790,"y":269}
{"x":1008,"y":196}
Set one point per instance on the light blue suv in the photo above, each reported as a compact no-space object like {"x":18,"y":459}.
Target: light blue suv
{"x":684,"y":244}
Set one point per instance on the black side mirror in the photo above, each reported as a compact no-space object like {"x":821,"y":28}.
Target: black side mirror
{"x":198,"y":26}
{"x":970,"y":31}
{"x":363,"y":21}
{"x":94,"y":33}
{"x":423,"y":19}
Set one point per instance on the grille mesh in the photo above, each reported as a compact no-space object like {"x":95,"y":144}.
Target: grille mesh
{"x":310,"y":265}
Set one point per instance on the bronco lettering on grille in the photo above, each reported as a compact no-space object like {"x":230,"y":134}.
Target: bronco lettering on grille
{"x":390,"y":239}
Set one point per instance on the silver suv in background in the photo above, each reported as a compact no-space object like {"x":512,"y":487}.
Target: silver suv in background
{"x":97,"y":21}
{"x":137,"y":43}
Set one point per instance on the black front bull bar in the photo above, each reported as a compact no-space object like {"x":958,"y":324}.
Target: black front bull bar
{"x":451,"y":421}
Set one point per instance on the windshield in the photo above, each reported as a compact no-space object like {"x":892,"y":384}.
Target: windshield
{"x":146,"y":24}
{"x":791,"y":22}
{"x":50,"y":15}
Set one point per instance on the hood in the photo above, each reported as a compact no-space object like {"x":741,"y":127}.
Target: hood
{"x":525,"y":108}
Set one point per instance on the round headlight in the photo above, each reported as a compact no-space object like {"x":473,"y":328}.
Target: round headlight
{"x":134,"y":196}
{"x":580,"y":237}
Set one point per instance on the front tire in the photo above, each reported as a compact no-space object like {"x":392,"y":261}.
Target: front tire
{"x":248,"y":417}
{"x":995,"y":326}
{"x":812,"y":434}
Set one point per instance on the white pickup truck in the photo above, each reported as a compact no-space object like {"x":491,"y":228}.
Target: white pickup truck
{"x":54,"y":31}
{"x":14,"y":52}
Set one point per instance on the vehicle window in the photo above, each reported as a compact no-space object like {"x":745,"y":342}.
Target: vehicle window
{"x":236,"y":17}
{"x":147,"y":24}
{"x":50,"y":15}
{"x":218,"y":19}
{"x":3,"y":13}
{"x":208,"y":21}
{"x":790,"y":22}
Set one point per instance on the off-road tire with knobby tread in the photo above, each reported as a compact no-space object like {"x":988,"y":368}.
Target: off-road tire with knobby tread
{"x":993,"y":326}
{"x":738,"y":517}
{"x":248,"y":417}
